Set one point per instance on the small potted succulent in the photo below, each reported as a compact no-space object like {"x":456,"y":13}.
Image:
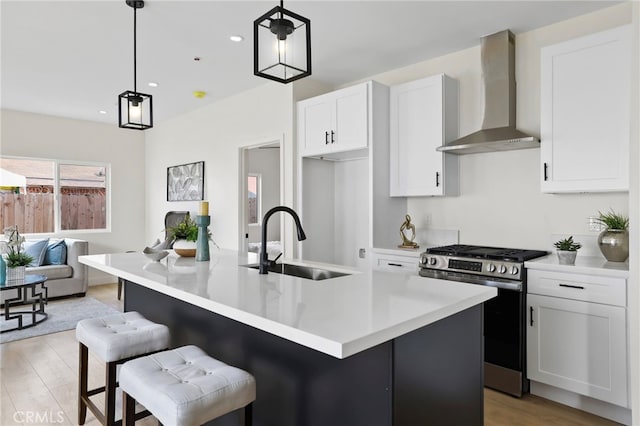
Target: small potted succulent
{"x":567,"y":250}
{"x":614,"y":240}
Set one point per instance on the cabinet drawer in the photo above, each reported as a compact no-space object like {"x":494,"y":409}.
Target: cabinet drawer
{"x":597,"y":289}
{"x":393,"y":263}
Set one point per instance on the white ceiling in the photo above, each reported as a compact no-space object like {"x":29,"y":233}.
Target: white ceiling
{"x":73,"y":58}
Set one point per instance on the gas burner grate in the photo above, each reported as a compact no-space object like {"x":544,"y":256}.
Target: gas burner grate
{"x":483,"y":252}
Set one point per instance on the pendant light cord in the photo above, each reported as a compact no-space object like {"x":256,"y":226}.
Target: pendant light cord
{"x":135,"y":87}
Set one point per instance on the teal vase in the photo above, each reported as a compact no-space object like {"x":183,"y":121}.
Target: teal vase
{"x":3,"y":271}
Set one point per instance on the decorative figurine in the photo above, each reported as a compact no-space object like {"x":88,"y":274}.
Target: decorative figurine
{"x":408,"y":243}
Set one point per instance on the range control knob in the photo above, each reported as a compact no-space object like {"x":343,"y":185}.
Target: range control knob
{"x":491,"y":267}
{"x":503,"y":269}
{"x":432,"y":261}
{"x":514,"y":270}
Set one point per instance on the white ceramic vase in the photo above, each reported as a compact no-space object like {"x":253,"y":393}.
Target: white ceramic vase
{"x":185,"y":248}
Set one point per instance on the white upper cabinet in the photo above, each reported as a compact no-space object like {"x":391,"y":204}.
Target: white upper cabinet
{"x":585,"y":113}
{"x":334,"y":122}
{"x":423,"y":116}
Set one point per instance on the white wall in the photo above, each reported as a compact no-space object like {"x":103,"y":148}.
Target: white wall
{"x":266,"y":162}
{"x":42,"y":136}
{"x":214,"y":134}
{"x":500,"y":202}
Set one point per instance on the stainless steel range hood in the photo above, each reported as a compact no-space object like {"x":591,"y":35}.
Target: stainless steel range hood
{"x":498,"y":131}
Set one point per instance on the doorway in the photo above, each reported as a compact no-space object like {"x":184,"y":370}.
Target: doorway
{"x":260,"y":189}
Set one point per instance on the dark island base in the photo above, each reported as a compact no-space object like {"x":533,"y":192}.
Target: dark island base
{"x":431,"y":376}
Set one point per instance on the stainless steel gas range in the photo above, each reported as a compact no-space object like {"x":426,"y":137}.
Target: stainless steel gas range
{"x":504,"y":315}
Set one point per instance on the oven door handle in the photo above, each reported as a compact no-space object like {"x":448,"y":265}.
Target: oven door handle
{"x":531,"y":316}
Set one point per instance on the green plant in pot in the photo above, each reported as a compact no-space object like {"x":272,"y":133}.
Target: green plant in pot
{"x":16,"y":259}
{"x":567,"y":250}
{"x":184,"y":236}
{"x":614,"y":240}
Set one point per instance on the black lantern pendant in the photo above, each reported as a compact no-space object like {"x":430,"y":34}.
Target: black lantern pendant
{"x":281,"y":45}
{"x":135,"y":109}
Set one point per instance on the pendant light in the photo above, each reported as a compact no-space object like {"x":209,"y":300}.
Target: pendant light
{"x":135,"y":109}
{"x":282,"y":45}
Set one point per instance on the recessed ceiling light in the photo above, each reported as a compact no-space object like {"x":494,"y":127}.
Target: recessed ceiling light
{"x":236,"y":38}
{"x":102,"y":111}
{"x":153,"y":84}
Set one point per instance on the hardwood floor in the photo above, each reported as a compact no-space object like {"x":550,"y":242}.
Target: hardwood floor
{"x":39,"y":385}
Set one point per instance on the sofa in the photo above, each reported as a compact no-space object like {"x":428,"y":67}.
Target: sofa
{"x":70,"y":278}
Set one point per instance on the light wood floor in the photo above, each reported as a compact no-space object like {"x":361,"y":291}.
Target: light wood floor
{"x":39,"y":379}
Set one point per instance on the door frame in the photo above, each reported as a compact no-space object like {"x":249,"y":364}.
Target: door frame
{"x":242,"y":189}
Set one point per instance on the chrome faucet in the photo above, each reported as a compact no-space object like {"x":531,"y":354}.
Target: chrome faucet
{"x":264,"y":256}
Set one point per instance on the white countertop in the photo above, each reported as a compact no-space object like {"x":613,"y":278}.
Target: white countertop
{"x":339,"y":316}
{"x":590,"y":265}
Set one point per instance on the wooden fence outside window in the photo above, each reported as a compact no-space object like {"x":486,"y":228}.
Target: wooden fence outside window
{"x":33,"y":212}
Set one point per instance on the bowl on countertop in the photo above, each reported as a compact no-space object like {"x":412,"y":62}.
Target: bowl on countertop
{"x":155,"y":255}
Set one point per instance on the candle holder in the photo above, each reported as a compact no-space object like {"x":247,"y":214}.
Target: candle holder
{"x":202,"y":244}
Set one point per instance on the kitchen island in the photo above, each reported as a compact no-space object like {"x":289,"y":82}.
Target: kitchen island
{"x":369,"y":348}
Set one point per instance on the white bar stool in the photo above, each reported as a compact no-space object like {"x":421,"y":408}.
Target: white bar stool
{"x":115,"y":339}
{"x":184,"y":387}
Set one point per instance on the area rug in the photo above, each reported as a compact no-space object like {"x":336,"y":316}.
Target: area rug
{"x":63,"y":315}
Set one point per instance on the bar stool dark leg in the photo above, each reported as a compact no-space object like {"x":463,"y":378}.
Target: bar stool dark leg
{"x":83,"y":368}
{"x":248,"y":415}
{"x":120,"y":281}
{"x":110,"y":393}
{"x":128,"y":410}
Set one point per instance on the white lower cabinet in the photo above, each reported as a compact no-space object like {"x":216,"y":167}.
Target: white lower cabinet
{"x":574,"y":343}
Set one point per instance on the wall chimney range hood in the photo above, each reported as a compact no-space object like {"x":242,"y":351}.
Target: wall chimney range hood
{"x":498,"y":132}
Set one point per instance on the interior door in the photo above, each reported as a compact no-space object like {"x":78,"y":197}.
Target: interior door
{"x":260,"y":187}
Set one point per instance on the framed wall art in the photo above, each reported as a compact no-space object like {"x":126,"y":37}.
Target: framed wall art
{"x":185,"y":182}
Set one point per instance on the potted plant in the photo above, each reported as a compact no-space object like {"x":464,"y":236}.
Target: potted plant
{"x":16,"y":259}
{"x":567,"y":250}
{"x":184,"y":236}
{"x":614,"y":240}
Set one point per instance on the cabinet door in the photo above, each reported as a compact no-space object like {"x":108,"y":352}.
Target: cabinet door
{"x":585,"y":111}
{"x":350,"y":119}
{"x":578,"y":346}
{"x":418,"y":126}
{"x":314,"y":125}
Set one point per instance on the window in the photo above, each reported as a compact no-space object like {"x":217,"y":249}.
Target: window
{"x":254,"y":198}
{"x":46,"y":196}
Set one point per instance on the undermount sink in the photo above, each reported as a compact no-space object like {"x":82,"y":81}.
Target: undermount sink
{"x":307,"y":272}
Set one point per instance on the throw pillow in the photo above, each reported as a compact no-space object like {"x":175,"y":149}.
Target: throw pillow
{"x":36,"y":249}
{"x":56,"y":253}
